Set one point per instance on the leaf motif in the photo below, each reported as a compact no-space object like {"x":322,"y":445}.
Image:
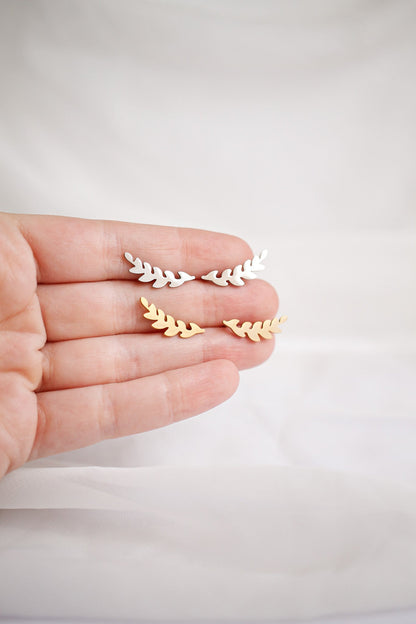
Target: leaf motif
{"x":183,"y":275}
{"x":149,"y":274}
{"x":167,"y":322}
{"x":196,"y":329}
{"x":210,"y":276}
{"x":160,"y":323}
{"x":172,"y":330}
{"x":240,"y":272}
{"x":256,"y":330}
{"x":137,"y":264}
{"x":233,"y":325}
{"x":152,"y":314}
{"x":265,"y":330}
{"x":245,"y":326}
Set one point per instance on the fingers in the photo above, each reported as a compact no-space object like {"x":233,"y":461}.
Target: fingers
{"x":103,"y":308}
{"x":69,"y":419}
{"x":121,"y":358}
{"x":77,"y":250}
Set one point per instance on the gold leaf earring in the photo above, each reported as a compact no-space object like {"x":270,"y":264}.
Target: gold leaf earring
{"x":167,"y":322}
{"x":256,"y":330}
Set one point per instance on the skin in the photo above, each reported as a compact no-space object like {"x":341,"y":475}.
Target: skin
{"x":78,"y":361}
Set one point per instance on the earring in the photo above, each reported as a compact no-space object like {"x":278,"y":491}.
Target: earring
{"x":165,"y":321}
{"x":149,"y":274}
{"x":256,"y":330}
{"x":236,"y":275}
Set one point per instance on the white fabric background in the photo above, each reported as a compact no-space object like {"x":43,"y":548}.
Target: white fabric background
{"x":292,"y":125}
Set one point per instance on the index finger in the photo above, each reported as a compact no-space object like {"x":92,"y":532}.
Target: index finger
{"x":68,"y":249}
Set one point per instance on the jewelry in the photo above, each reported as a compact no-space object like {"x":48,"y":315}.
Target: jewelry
{"x":165,"y":321}
{"x":257,"y":329}
{"x":235,"y":276}
{"x":148,"y":274}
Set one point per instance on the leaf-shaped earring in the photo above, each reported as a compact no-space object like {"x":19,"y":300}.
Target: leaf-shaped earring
{"x":167,"y":322}
{"x":239,"y":273}
{"x":256,"y":330}
{"x":149,"y":274}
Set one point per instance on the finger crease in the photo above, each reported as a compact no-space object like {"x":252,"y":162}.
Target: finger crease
{"x":41,"y":428}
{"x":108,"y":424}
{"x":47,"y":368}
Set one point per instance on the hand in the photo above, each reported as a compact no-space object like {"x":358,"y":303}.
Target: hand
{"x":78,"y":361}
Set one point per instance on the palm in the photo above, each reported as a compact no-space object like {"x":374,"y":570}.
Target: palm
{"x":22,"y":336}
{"x":79,"y":363}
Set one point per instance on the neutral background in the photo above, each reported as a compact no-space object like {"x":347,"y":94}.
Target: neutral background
{"x":291,"y":124}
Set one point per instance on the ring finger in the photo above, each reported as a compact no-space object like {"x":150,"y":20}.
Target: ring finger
{"x":111,"y":359}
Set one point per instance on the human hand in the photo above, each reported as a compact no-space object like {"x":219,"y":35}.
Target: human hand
{"x":78,"y":361}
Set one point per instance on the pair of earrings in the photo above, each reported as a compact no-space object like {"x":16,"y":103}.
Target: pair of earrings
{"x":236,"y":276}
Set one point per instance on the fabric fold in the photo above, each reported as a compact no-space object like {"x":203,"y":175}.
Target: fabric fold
{"x":252,"y":542}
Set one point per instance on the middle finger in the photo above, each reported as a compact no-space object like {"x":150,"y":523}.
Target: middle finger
{"x":85,"y":310}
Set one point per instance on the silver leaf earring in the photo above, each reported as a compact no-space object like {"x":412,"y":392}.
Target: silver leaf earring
{"x":239,"y":273}
{"x":149,"y":274}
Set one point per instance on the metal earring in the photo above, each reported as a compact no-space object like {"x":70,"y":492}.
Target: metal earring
{"x":167,"y":322}
{"x":239,"y":273}
{"x":256,"y":330}
{"x":149,"y":274}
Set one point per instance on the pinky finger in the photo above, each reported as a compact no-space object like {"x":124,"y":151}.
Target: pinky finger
{"x":71,"y":419}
